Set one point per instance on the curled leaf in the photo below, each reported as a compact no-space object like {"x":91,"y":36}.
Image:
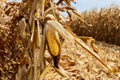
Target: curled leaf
{"x":60,"y":29}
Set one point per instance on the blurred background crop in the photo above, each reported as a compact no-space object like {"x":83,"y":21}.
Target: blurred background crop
{"x":87,"y":5}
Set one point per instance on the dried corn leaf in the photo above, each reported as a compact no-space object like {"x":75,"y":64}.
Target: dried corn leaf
{"x":60,"y":29}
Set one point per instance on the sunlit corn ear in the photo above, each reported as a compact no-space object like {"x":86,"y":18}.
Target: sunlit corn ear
{"x":52,"y":28}
{"x":52,"y":39}
{"x":53,"y":43}
{"x":69,"y":35}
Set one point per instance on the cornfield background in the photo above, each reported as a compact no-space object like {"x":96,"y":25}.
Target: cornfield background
{"x":106,"y":21}
{"x":23,"y":53}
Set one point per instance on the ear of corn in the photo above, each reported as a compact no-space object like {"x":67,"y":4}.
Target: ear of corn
{"x":46,"y":30}
{"x":53,"y":41}
{"x":69,"y":35}
{"x":53,"y":44}
{"x":52,"y":28}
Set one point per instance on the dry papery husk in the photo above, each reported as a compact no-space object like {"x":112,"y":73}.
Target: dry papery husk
{"x":75,"y":61}
{"x":105,"y":24}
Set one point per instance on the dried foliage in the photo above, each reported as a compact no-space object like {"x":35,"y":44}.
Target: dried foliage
{"x":105,"y":24}
{"x":32,"y":27}
{"x":11,"y":49}
{"x":76,"y":63}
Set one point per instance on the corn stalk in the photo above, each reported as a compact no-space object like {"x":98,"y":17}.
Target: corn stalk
{"x":45,"y":24}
